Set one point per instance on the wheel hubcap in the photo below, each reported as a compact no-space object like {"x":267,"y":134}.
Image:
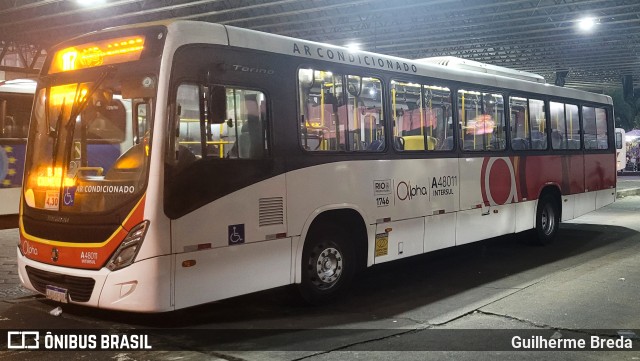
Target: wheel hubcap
{"x":328,"y":267}
{"x":548,"y":220}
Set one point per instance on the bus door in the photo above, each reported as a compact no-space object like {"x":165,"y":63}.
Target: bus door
{"x":224,"y":196}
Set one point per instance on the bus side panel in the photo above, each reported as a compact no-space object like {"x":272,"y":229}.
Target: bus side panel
{"x":213,"y":224}
{"x":240,"y":236}
{"x":600,"y":171}
{"x":568,"y":207}
{"x":599,"y":175}
{"x":381,"y":190}
{"x":405,"y":239}
{"x":439,"y":232}
{"x":232,"y":271}
{"x":488,"y":194}
{"x":478,"y":224}
{"x":563,"y":171}
{"x":604,"y":197}
{"x":525,"y":215}
{"x":11,"y":170}
{"x":470,"y":175}
{"x":584,"y":203}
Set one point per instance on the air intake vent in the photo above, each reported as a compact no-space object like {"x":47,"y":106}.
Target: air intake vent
{"x":271,"y":211}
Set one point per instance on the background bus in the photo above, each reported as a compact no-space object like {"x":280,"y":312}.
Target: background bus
{"x":273,"y":161}
{"x":621,"y":150}
{"x":16,"y":99}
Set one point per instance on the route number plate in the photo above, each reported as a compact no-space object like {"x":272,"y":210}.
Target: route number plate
{"x":52,"y":200}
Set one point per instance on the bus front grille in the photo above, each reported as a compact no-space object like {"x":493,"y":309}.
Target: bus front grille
{"x":79,"y":288}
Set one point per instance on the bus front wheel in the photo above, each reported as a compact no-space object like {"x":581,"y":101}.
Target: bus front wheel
{"x":327,"y":266}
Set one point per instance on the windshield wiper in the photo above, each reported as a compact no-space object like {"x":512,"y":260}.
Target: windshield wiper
{"x":77,"y":108}
{"x":54,"y":133}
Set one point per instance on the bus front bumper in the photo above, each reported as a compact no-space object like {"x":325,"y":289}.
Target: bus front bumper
{"x":144,"y":286}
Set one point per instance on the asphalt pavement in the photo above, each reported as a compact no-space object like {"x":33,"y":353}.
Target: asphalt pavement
{"x":628,"y":185}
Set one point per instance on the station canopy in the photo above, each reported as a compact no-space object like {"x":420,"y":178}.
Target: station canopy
{"x":588,"y":44}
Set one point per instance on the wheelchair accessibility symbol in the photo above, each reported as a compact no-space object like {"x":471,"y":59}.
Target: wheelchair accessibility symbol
{"x":236,"y":234}
{"x":69,"y":196}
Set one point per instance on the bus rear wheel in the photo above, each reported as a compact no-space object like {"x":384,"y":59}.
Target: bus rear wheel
{"x":547,"y":220}
{"x":327,"y":266}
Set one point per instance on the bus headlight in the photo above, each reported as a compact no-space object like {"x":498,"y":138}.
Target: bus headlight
{"x":126,"y":253}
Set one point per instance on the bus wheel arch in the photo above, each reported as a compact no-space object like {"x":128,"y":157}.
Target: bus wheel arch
{"x":333,"y":250}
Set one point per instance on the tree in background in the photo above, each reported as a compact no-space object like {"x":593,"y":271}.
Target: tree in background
{"x":626,"y":112}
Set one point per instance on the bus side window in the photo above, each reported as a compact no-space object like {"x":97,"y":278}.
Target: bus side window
{"x":565,"y":126}
{"x":558,"y":140}
{"x":601,"y":128}
{"x":590,"y":131}
{"x":422,"y":117}
{"x":15,"y":111}
{"x":340,"y":112}
{"x":573,"y":126}
{"x":241,"y":136}
{"x":188,"y":139}
{"x":9,"y":128}
{"x":250,"y":140}
{"x":528,"y":121}
{"x":483,"y":120}
{"x":245,"y":136}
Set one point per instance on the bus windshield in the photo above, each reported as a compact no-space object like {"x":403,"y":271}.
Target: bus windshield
{"x":89,"y":143}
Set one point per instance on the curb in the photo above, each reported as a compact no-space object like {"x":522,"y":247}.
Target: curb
{"x":621,"y":193}
{"x":628,"y":173}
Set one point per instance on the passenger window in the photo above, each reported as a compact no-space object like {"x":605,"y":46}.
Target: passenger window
{"x":557,"y":125}
{"x":538,"y":121}
{"x":601,"y":128}
{"x":573,"y":126}
{"x":15,"y":110}
{"x":528,"y":122}
{"x":422,"y":117}
{"x":590,"y":130}
{"x":188,"y":135}
{"x":482,"y":121}
{"x":245,"y":127}
{"x":241,"y":136}
{"x":340,"y":112}
{"x":565,"y":126}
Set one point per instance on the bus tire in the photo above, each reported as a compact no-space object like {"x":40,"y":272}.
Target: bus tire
{"x":328,"y":265}
{"x":547,"y":220}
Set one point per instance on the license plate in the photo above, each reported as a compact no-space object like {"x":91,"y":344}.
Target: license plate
{"x":57,"y":294}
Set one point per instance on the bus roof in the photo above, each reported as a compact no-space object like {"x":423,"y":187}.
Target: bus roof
{"x":285,"y":45}
{"x":469,"y":72}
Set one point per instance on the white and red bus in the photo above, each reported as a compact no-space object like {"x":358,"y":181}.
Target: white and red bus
{"x":16,"y":99}
{"x":251,"y":161}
